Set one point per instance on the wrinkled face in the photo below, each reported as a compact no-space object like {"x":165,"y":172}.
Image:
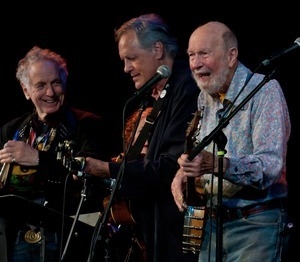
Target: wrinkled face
{"x":140,"y":63}
{"x":210,"y":63}
{"x":45,"y":90}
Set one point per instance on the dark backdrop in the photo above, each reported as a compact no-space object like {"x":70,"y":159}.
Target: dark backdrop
{"x":83,"y":34}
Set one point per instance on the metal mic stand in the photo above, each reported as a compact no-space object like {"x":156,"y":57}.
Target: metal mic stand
{"x":103,"y":220}
{"x":83,"y":197}
{"x":105,"y":215}
{"x":221,"y":141}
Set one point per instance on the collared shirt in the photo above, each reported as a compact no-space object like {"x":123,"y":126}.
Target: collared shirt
{"x":257,"y":137}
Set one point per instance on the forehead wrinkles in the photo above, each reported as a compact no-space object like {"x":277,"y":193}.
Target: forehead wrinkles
{"x":205,"y":40}
{"x":43,"y":71}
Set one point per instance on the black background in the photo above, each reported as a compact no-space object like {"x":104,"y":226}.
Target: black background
{"x":82,"y":32}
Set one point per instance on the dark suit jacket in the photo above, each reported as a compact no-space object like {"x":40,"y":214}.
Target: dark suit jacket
{"x":148,"y":180}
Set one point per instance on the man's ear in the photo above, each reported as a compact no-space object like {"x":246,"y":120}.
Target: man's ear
{"x":232,"y":56}
{"x":159,"y":50}
{"x":25,"y":91}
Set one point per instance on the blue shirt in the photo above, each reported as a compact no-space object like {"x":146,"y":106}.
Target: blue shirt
{"x":257,"y":137}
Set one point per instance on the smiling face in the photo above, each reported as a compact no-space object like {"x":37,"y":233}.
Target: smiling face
{"x":212,"y":58}
{"x":45,"y":88}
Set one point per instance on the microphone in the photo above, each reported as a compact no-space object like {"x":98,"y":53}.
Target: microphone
{"x":107,"y":182}
{"x":284,"y":52}
{"x":162,"y":72}
{"x":78,"y":164}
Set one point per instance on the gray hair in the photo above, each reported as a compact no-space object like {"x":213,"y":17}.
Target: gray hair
{"x":149,"y":29}
{"x":36,"y":54}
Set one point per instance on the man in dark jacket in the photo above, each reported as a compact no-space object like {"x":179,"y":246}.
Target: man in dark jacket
{"x":38,"y":152}
{"x":145,"y":44}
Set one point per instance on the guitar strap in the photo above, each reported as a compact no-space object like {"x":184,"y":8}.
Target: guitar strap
{"x":136,"y":148}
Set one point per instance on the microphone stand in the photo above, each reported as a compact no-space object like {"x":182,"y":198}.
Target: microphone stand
{"x":221,"y":141}
{"x":83,"y":197}
{"x":216,"y":135}
{"x":103,"y":219}
{"x":105,"y":215}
